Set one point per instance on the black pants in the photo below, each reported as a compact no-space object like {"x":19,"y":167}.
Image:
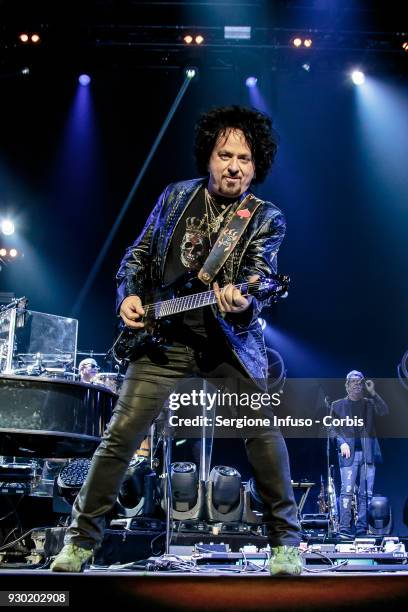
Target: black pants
{"x":147,"y":385}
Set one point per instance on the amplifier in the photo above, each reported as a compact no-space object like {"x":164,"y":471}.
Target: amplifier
{"x":15,"y":488}
{"x":17,"y":478}
{"x":314,"y":521}
{"x":315,"y":525}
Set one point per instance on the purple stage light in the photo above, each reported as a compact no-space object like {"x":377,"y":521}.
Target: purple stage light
{"x":251,"y":81}
{"x":84,"y":79}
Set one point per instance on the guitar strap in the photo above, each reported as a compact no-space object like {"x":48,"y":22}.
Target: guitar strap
{"x":228,"y":239}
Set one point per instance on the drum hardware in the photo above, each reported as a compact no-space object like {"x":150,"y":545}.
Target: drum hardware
{"x":110,"y":380}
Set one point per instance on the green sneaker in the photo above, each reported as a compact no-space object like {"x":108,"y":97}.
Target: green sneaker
{"x":71,"y":559}
{"x":285,"y":561}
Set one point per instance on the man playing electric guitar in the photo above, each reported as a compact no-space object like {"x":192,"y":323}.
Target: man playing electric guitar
{"x":193,"y":227}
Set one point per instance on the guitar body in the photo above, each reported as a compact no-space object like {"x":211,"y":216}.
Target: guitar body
{"x":182,"y":296}
{"x":131,"y":343}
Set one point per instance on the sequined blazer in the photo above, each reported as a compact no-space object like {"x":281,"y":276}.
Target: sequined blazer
{"x":256,"y":253}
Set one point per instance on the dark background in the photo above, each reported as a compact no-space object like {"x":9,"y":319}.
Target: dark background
{"x":69,"y":157}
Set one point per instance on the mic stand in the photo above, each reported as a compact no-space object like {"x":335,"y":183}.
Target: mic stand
{"x":167,"y":475}
{"x":206,"y":448}
{"x":364,"y":440}
{"x":331,"y":494}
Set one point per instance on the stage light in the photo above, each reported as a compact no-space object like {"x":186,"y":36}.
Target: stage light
{"x":188,"y":39}
{"x":306,"y":67}
{"x":7,"y":227}
{"x":137,"y":495}
{"x":3,"y":252}
{"x":402,"y":370}
{"x":25,"y":70}
{"x":35,"y":38}
{"x":253,"y":504}
{"x":237,"y":32}
{"x":379,"y":516}
{"x":297,"y":42}
{"x":224,"y":494}
{"x":23,"y":38}
{"x":256,"y":499}
{"x":308,"y":42}
{"x":199,"y":39}
{"x":84,"y":80}
{"x":405,"y":45}
{"x":190,"y":72}
{"x":184,"y":485}
{"x":357,"y":77}
{"x":72,"y":477}
{"x":187,"y":492}
{"x":227,"y":484}
{"x":251,"y":81}
{"x":13,"y":253}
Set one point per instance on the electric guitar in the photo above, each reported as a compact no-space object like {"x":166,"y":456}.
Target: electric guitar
{"x":177,"y":299}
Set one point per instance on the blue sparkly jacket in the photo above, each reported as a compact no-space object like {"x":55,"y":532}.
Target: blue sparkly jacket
{"x":256,"y":253}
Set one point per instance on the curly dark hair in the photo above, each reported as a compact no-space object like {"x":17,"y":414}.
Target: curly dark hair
{"x":256,"y":126}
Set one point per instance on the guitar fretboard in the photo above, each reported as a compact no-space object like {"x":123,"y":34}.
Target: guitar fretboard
{"x":195,"y":300}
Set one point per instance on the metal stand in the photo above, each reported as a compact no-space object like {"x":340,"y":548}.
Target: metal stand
{"x":169,"y":506}
{"x":205,"y":449}
{"x":205,"y":462}
{"x":14,"y":310}
{"x":364,"y":440}
{"x":331,"y":491}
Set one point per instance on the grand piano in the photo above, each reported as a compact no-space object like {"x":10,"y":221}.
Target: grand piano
{"x":43,"y":417}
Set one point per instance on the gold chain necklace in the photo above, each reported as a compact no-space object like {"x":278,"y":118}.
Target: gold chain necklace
{"x":214,"y":217}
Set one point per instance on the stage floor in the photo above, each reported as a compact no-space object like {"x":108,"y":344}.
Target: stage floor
{"x":216,"y":591}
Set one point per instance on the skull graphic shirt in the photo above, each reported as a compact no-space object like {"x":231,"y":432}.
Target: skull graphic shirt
{"x":190,"y":244}
{"x":189,"y":248}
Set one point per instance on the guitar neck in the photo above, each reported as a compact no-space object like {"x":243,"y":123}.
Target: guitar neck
{"x":190,"y":302}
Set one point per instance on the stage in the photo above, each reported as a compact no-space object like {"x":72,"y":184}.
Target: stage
{"x":218,"y":591}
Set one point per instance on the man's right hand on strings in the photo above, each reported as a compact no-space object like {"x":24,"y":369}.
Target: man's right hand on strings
{"x":131,"y":310}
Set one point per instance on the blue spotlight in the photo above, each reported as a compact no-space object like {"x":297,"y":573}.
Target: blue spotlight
{"x":84,"y":79}
{"x":251,"y":81}
{"x":357,"y":77}
{"x":7,"y":227}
